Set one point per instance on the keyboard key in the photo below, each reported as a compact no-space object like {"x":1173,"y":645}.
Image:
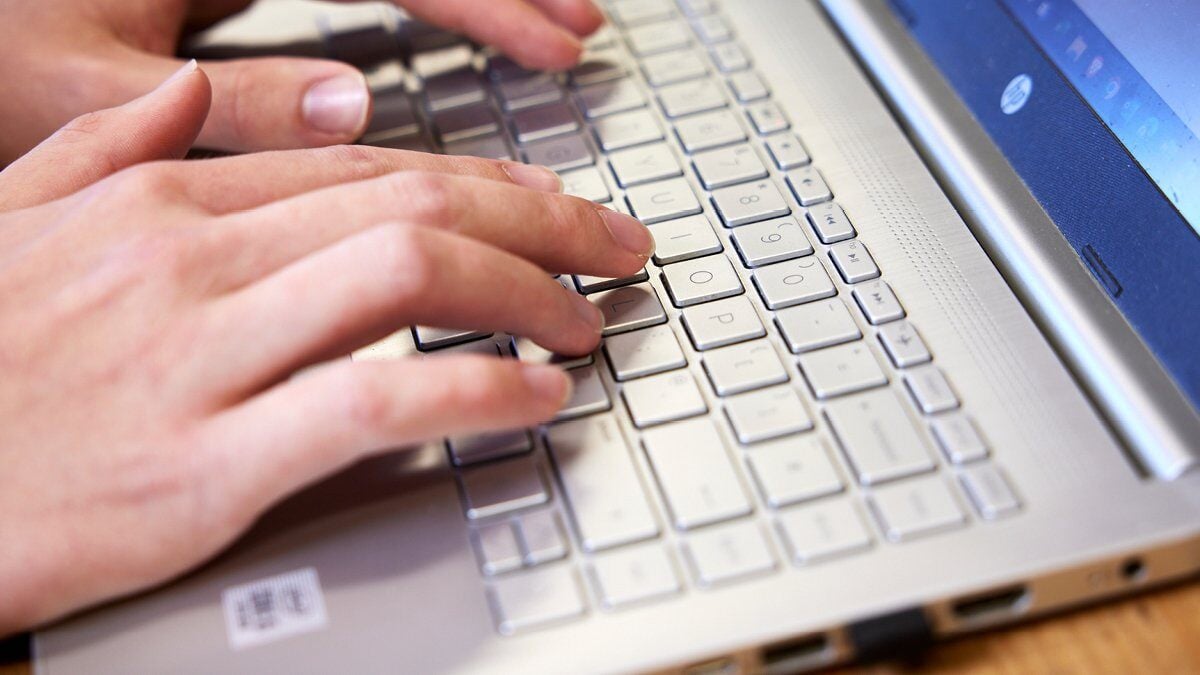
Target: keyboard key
{"x":541,"y":538}
{"x":771,"y":241}
{"x":698,"y":7}
{"x":644,"y":352}
{"x":684,"y":239}
{"x":600,"y":483}
{"x":724,"y":322}
{"x":689,"y":98}
{"x":600,"y":65}
{"x":792,"y":470}
{"x":836,"y":371}
{"x":712,"y":29}
{"x":823,"y":530}
{"x":959,"y":439}
{"x":767,"y":414}
{"x":903,"y":344}
{"x":853,"y":261}
{"x":787,"y":151}
{"x":536,"y":598}
{"x":744,"y":367}
{"x":497,"y":548}
{"x":634,"y":575}
{"x":663,"y":398}
{"x":728,"y":166}
{"x":428,"y":338}
{"x":729,"y":57}
{"x":477,"y":448}
{"x":793,"y":282}
{"x":656,"y":38}
{"x":545,"y":122}
{"x":629,"y":308}
{"x":697,"y":478}
{"x":394,"y":117}
{"x":912,"y":508}
{"x":529,"y":92}
{"x":503,"y":69}
{"x":990,"y":493}
{"x":830,"y":223}
{"x":674,"y":67}
{"x":663,"y":200}
{"x":529,"y":351}
{"x":729,"y":553}
{"x":453,"y":89}
{"x":626,"y":130}
{"x":588,"y":284}
{"x":490,"y":147}
{"x":644,"y":164}
{"x":606,"y":98}
{"x":930,"y":390}
{"x":767,"y":118}
{"x":635,"y":12}
{"x":817,"y":325}
{"x":709,"y":130}
{"x":748,"y":86}
{"x":560,"y":154}
{"x":458,"y":124}
{"x":878,"y":302}
{"x":750,"y":203}
{"x":502,"y":487}
{"x":588,"y":395}
{"x":480,"y":348}
{"x":701,"y":280}
{"x":586,"y":183}
{"x":808,"y":186}
{"x":878,"y":437}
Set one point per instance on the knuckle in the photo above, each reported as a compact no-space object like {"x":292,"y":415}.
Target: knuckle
{"x":144,"y":181}
{"x":427,"y":197}
{"x":359,"y":161}
{"x":365,"y":403}
{"x":86,"y":125}
{"x":408,"y":260}
{"x":242,"y":118}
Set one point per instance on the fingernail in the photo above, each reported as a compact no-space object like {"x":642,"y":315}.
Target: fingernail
{"x":533,"y":177}
{"x":629,"y":233}
{"x":588,"y":312}
{"x":338,"y":105}
{"x":548,"y":382}
{"x":187,"y":69}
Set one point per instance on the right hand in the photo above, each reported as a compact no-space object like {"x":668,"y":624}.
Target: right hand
{"x":153,"y":312}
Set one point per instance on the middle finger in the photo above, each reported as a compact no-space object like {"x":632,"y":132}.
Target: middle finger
{"x":560,"y":233}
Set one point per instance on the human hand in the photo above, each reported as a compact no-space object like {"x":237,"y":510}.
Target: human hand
{"x":153,"y":312}
{"x":64,"y":58}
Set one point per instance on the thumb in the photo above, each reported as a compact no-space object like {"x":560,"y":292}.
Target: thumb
{"x":160,"y":125}
{"x":284,"y":103}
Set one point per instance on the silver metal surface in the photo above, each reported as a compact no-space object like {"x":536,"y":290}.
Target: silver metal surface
{"x":769,"y":413}
{"x":402,"y":584}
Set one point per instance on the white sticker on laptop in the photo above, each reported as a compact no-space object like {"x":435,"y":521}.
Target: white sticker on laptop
{"x":274,"y":608}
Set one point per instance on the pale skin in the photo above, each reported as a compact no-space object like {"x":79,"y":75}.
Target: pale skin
{"x":154,"y":314}
{"x":64,"y":58}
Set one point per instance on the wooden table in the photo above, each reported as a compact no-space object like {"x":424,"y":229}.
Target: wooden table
{"x":1154,"y":633}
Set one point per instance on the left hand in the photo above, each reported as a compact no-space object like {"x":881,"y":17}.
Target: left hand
{"x":63,"y":58}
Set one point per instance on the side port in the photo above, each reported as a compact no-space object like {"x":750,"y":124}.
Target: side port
{"x":793,"y":656}
{"x":994,"y":606}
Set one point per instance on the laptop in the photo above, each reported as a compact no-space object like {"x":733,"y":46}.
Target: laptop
{"x":915,"y":357}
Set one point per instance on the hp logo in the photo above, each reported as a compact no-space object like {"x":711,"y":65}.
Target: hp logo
{"x":1016,"y":94}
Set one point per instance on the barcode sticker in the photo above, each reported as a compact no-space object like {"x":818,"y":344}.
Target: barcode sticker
{"x":274,"y":608}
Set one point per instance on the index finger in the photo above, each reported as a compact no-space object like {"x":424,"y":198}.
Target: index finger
{"x":534,"y":39}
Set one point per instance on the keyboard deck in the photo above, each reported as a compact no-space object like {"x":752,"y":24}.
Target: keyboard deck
{"x":760,"y":403}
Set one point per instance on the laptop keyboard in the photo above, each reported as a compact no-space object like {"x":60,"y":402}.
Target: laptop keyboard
{"x":764,"y":407}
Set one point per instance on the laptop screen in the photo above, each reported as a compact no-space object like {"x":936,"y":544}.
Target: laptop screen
{"x":1096,"y":104}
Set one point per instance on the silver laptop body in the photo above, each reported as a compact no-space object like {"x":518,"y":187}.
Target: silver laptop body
{"x":1034,"y":459}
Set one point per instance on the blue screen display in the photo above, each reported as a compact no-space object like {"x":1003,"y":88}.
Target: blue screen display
{"x":1113,"y":164}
